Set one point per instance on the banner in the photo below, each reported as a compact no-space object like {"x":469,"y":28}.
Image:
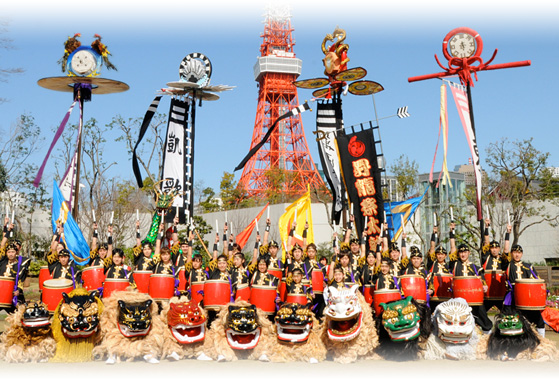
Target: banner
{"x":54,"y":140}
{"x":243,"y":236}
{"x":328,"y":121}
{"x":177,"y":169}
{"x":401,"y":211}
{"x":143,"y":129}
{"x":444,"y":125}
{"x":461,"y":100}
{"x":300,"y":212}
{"x":361,"y":174}
{"x":293,"y":112}
{"x":68,"y":181}
{"x":72,"y":237}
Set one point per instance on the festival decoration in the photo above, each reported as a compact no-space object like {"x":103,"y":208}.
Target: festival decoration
{"x":195,"y":71}
{"x":75,"y":326}
{"x":130,"y":329}
{"x":83,"y":67}
{"x":404,"y":327}
{"x":361,"y":173}
{"x":185,"y":335}
{"x":348,"y":329}
{"x":299,"y":212}
{"x":278,"y":139}
{"x":401,"y":211}
{"x":241,"y":331}
{"x":72,"y":237}
{"x":298,"y":335}
{"x":462,"y":47}
{"x":455,"y":335}
{"x":28,"y":336}
{"x":242,"y":238}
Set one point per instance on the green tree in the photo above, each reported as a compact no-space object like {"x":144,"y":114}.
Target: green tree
{"x":233,"y":195}
{"x":405,"y":172}
{"x":520,"y":176}
{"x":208,"y":203}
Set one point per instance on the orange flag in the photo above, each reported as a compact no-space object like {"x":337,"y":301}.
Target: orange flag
{"x":243,"y":236}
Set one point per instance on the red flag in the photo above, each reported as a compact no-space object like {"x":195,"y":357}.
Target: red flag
{"x":243,"y":236}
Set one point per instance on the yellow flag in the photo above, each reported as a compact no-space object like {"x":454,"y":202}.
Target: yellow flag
{"x":302,"y":210}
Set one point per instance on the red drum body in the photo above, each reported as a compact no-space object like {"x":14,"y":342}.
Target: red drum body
{"x":282,"y":289}
{"x":93,"y":277}
{"x":496,"y":284}
{"x":182,"y":279}
{"x":264,"y":297}
{"x":197,"y":291}
{"x":141,"y":279}
{"x":384,"y":296}
{"x":368,"y":291}
{"x":278,"y":273}
{"x":113,"y":284}
{"x":6,"y":291}
{"x":296,"y":298}
{"x":52,"y":292}
{"x":530,"y":294}
{"x":216,"y":294}
{"x":44,"y":274}
{"x":442,"y":287}
{"x":161,"y":286}
{"x":469,"y":288}
{"x":414,"y":286}
{"x":317,"y":280}
{"x":243,"y":292}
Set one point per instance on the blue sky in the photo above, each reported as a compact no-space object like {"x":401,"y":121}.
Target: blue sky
{"x":393,"y":42}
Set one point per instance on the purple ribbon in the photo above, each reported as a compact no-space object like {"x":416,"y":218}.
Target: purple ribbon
{"x":19,"y":260}
{"x":55,"y":139}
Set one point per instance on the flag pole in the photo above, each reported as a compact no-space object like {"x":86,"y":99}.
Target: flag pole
{"x":471,"y":106}
{"x":75,"y":206}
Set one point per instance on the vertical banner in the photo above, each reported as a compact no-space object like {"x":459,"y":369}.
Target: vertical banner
{"x":361,"y":174}
{"x":328,"y":121}
{"x":461,"y":100}
{"x":68,"y":181}
{"x":176,"y":172}
{"x":300,"y":212}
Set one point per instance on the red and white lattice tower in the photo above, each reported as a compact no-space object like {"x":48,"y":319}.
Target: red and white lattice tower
{"x":287,"y":148}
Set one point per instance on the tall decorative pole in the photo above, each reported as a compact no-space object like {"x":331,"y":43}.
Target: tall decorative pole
{"x":83,"y":65}
{"x":462,"y":47}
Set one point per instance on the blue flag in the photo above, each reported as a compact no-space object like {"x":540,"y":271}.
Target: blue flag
{"x":401,"y":210}
{"x":72,"y":237}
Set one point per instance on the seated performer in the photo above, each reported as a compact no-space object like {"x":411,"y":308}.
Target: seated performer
{"x":384,"y":279}
{"x":117,"y":269}
{"x":296,"y":291}
{"x":520,"y":270}
{"x":12,"y":265}
{"x":463,"y":267}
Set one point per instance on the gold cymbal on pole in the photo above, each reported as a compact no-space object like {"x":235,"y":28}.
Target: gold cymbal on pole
{"x":365,"y":87}
{"x":311,"y":83}
{"x":99,"y":86}
{"x":351,"y":74}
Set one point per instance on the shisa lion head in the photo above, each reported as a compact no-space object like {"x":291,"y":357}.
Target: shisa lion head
{"x":401,"y":320}
{"x":343,"y":313}
{"x":186,"y":321}
{"x":242,"y":329}
{"x":294,"y":322}
{"x":455,"y":321}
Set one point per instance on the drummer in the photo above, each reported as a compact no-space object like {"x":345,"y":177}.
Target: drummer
{"x":295,"y":286}
{"x":101,"y":255}
{"x":517,"y":269}
{"x":438,"y":268}
{"x":117,"y":269}
{"x":342,"y":259}
{"x":270,"y":250}
{"x":12,"y":265}
{"x":338,"y":282}
{"x":60,"y":266}
{"x":295,"y":260}
{"x":494,"y":261}
{"x":356,"y":246}
{"x":384,"y":280}
{"x":463,"y":267}
{"x":415,"y":265}
{"x":218,"y":270}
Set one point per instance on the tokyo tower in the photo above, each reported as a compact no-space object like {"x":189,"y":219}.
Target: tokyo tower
{"x":287,"y":148}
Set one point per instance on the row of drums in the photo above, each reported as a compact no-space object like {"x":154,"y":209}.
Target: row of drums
{"x":530,"y":294}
